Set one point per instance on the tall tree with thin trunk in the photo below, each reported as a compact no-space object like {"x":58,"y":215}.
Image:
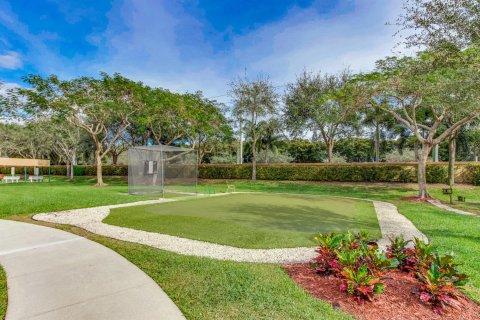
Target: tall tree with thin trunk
{"x":256,"y":100}
{"x":323,"y":104}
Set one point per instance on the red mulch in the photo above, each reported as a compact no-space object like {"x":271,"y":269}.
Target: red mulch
{"x":396,"y":303}
{"x":416,"y":199}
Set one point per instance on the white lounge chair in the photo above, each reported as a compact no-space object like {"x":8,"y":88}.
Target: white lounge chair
{"x":35,"y":178}
{"x":6,"y":179}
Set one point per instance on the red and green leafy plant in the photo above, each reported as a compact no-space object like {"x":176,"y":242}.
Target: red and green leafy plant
{"x":355,"y":259}
{"x":437,"y":289}
{"x":437,"y":274}
{"x":360,"y":283}
{"x":327,"y":261}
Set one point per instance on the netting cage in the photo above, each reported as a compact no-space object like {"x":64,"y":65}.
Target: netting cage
{"x":162,"y":169}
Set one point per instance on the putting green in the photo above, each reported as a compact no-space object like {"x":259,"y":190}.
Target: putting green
{"x":251,"y":220}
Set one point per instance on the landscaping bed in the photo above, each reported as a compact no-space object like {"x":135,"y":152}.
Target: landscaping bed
{"x":397,"y":302}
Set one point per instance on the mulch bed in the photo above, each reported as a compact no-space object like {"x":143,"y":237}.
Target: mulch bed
{"x":396,"y":303}
{"x":416,"y":199}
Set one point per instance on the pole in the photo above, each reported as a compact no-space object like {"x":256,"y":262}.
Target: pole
{"x":25,"y":174}
{"x":49,"y":173}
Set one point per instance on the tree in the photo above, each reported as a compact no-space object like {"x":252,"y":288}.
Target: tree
{"x":102,"y":107}
{"x":423,"y":93}
{"x":440,"y":24}
{"x":381,"y":122}
{"x":255,"y":100}
{"x":325,"y":105}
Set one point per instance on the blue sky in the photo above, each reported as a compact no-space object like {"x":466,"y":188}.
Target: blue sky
{"x":192,"y":45}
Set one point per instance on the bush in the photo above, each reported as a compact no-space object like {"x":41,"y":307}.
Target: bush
{"x":473,"y":172}
{"x":354,"y":259}
{"x":437,"y":274}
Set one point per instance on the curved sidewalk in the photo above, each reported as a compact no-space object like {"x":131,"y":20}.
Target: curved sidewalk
{"x":53,"y":274}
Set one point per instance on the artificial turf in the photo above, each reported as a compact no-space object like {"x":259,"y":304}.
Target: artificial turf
{"x":252,"y":220}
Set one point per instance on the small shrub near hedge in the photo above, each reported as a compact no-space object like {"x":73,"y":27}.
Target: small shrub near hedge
{"x":360,"y":266}
{"x":474,"y":174}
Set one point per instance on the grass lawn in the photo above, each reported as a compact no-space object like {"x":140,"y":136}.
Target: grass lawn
{"x":3,"y":294}
{"x":60,"y":194}
{"x":471,"y":193}
{"x":252,"y":220}
{"x":210,"y":289}
{"x":447,"y":231}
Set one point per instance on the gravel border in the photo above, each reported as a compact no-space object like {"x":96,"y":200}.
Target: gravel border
{"x":391,"y":222}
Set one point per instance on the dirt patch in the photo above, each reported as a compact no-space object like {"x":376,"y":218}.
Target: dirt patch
{"x":398,"y":302}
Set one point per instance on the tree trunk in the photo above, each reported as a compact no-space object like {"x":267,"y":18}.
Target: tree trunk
{"x":98,"y":160}
{"x":452,"y":154}
{"x":240,"y":150}
{"x":423,"y":155}
{"x":330,"y":151}
{"x":73,"y":163}
{"x":416,"y":151}
{"x":377,"y":143}
{"x":254,"y":158}
{"x":114,"y":158}
{"x":435,"y":153}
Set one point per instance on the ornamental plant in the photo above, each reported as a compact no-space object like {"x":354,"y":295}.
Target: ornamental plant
{"x":437,"y":289}
{"x":360,"y":283}
{"x":355,"y":259}
{"x":437,"y":274}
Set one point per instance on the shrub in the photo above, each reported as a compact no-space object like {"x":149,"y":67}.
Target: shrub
{"x":437,"y":289}
{"x":473,"y":173}
{"x":438,"y":274}
{"x":360,"y":283}
{"x":354,"y":259}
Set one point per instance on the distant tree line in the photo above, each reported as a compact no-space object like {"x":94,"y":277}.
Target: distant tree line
{"x":409,"y":108}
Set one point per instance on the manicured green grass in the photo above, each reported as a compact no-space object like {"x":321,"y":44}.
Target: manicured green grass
{"x":60,"y":194}
{"x":252,"y":220}
{"x":447,"y":231}
{"x":472,"y":195}
{"x":210,"y":289}
{"x":3,"y":294}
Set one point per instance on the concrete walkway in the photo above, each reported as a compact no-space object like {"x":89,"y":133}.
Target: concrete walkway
{"x":52,"y":274}
{"x":392,"y":224}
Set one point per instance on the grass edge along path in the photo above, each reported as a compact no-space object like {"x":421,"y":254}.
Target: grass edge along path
{"x":3,"y":294}
{"x":210,"y":289}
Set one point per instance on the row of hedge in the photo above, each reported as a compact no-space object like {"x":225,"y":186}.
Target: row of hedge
{"x":382,"y":172}
{"x":436,"y":173}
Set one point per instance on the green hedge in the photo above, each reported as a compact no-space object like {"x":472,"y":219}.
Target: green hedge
{"x":436,"y":173}
{"x":346,"y":173}
{"x":474,"y":174}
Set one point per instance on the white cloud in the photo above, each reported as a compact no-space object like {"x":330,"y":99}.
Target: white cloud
{"x":5,"y":86}
{"x":150,"y":49}
{"x":10,"y":60}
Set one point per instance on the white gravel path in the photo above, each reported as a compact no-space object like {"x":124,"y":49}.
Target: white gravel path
{"x":391,"y":224}
{"x":440,"y":205}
